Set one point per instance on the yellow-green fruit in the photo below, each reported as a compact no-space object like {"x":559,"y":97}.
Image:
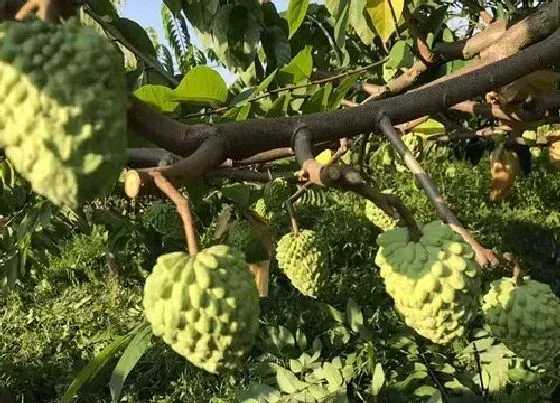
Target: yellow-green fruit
{"x":205,"y":307}
{"x":379,"y":217}
{"x":525,"y":318}
{"x":435,"y":282}
{"x":276,"y":192}
{"x":301,"y":258}
{"x":63,"y":108}
{"x":244,"y":238}
{"x":260,"y":208}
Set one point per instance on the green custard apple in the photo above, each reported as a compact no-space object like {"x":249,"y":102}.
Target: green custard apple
{"x":205,"y":307}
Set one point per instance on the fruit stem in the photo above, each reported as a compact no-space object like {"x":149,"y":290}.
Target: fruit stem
{"x":183,"y":208}
{"x":290,"y":207}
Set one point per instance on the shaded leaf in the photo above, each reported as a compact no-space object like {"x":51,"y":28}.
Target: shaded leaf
{"x":94,"y":366}
{"x":354,"y":315}
{"x":134,"y":351}
{"x":298,"y":69}
{"x":377,"y":380}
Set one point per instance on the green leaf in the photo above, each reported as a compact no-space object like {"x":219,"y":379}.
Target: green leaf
{"x":287,"y":381}
{"x":296,"y":13}
{"x":238,"y":193}
{"x":202,"y":85}
{"x":158,"y":96}
{"x":301,"y":340}
{"x":341,"y":24}
{"x":382,"y":16}
{"x":135,"y":35}
{"x":256,"y":392}
{"x":173,"y":5}
{"x":319,"y":101}
{"x":358,"y":20}
{"x":134,"y":351}
{"x":298,"y":69}
{"x":342,"y":89}
{"x":354,"y":315}
{"x":296,"y":366}
{"x":94,"y":366}
{"x":104,"y":8}
{"x":436,"y":398}
{"x":430,"y":128}
{"x":377,"y":380}
{"x":332,"y":375}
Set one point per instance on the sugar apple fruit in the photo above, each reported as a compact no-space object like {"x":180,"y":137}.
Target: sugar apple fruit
{"x":63,"y":108}
{"x":301,"y":257}
{"x":525,"y":318}
{"x":165,"y":219}
{"x":244,"y":238}
{"x":205,"y":307}
{"x":276,"y":192}
{"x":435,"y":282}
{"x":379,"y":217}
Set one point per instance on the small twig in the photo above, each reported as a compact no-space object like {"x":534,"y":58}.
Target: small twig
{"x":290,"y":208}
{"x":335,"y":48}
{"x":117,"y":35}
{"x":434,"y":378}
{"x":183,"y":208}
{"x":479,"y":368}
{"x":363,"y":147}
{"x":484,"y":256}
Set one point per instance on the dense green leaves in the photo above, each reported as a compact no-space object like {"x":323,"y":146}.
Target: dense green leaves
{"x":134,"y":351}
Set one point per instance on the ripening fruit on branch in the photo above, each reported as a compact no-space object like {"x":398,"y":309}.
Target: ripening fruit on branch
{"x":205,"y":307}
{"x":276,"y":192}
{"x":504,"y":168}
{"x":554,"y":153}
{"x":301,"y":257}
{"x":525,"y":318}
{"x":434,"y":282}
{"x":63,"y":108}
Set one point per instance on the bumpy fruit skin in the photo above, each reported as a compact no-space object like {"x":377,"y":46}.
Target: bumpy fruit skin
{"x":244,"y":238}
{"x":205,"y":307}
{"x":276,"y":192}
{"x":260,"y":208}
{"x":434,"y":282}
{"x":379,"y":217}
{"x":164,"y":218}
{"x":63,"y":108}
{"x":301,"y":257}
{"x":525,"y":318}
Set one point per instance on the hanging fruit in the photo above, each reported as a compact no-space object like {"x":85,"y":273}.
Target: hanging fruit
{"x":554,"y":153}
{"x":504,"y":167}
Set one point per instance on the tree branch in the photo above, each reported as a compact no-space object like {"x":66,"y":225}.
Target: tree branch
{"x":484,"y":256}
{"x":247,"y":138}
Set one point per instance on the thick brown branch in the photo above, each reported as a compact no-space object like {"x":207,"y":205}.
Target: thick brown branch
{"x":468,"y":48}
{"x":163,"y":131}
{"x":208,"y":156}
{"x":247,"y":138}
{"x":183,"y":208}
{"x":149,"y":157}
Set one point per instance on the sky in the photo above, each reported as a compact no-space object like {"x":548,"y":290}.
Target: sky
{"x":148,"y":14}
